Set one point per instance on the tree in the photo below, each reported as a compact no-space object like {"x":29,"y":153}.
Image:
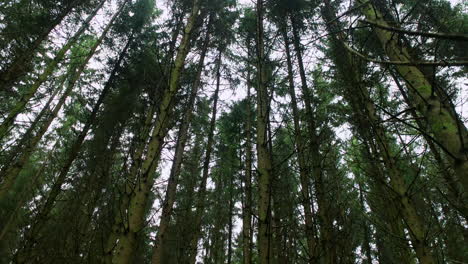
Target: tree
{"x":127,"y":132}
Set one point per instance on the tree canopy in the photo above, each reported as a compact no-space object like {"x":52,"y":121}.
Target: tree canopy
{"x":238,"y":132}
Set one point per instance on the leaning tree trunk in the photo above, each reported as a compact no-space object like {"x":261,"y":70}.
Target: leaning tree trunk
{"x":455,"y":191}
{"x":448,"y":132}
{"x":22,"y":63}
{"x":362,"y":104}
{"x":12,"y":172}
{"x":137,"y":204}
{"x":26,"y":137}
{"x":182,"y":137}
{"x":56,"y":188}
{"x":19,"y":107}
{"x":118,"y":225}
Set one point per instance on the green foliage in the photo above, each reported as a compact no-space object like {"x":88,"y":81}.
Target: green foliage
{"x":360,"y":132}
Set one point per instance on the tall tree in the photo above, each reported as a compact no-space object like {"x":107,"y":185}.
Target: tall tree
{"x":449,"y":132}
{"x":179,"y":151}
{"x":264,"y":166}
{"x":145,"y":178}
{"x":19,"y":106}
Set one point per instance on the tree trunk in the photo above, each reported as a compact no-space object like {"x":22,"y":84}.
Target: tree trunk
{"x":450,"y":134}
{"x":366,"y":242}
{"x":119,"y":225}
{"x":362,"y":100}
{"x":247,"y":209}
{"x":12,"y":172}
{"x":455,"y":190}
{"x":264,"y":166}
{"x":144,"y":182}
{"x":74,"y":151}
{"x":201,"y":194}
{"x":19,"y":107}
{"x":177,"y":163}
{"x":26,"y":137}
{"x":329,"y":250}
{"x":21,"y":63}
{"x":230,"y":224}
{"x":301,"y":158}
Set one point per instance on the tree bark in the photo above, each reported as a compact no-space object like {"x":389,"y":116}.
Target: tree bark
{"x":264,"y":166}
{"x":21,"y":63}
{"x":363,"y":105}
{"x":12,"y":172}
{"x":450,"y":134}
{"x":301,"y":158}
{"x":74,"y":151}
{"x":201,"y":194}
{"x":326,"y":227}
{"x":182,"y":137}
{"x":119,"y":223}
{"x":19,"y":107}
{"x":145,"y":178}
{"x":247,"y":209}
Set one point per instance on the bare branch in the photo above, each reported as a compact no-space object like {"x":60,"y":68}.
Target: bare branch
{"x":407,"y":63}
{"x":451,"y":36}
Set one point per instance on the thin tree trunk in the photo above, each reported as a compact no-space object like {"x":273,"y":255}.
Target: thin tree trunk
{"x":25,"y":195}
{"x":300,"y":148}
{"x":182,"y":137}
{"x":201,"y":194}
{"x":329,"y":249}
{"x":19,"y":107}
{"x":144,"y":182}
{"x":366,"y":243}
{"x":12,"y":172}
{"x":395,"y":246}
{"x":247,"y":209}
{"x":74,"y":151}
{"x":230,"y":224}
{"x":21,"y":63}
{"x":185,"y":222}
{"x":216,"y":251}
{"x":264,"y":166}
{"x":26,"y":137}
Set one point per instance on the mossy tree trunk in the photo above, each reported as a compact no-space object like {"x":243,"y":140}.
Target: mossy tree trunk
{"x":19,"y":107}
{"x":363,"y":105}
{"x":264,"y":163}
{"x":448,"y":131}
{"x":182,"y":137}
{"x":11,"y":172}
{"x":144,"y":182}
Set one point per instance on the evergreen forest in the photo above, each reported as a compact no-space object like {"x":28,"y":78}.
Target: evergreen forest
{"x":233,"y":131}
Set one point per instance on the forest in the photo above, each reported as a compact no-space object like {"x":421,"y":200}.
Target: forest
{"x":233,"y":131}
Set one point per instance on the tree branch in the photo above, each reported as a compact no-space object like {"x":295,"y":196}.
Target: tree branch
{"x":407,"y":63}
{"x":451,"y":36}
{"x":347,"y":12}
